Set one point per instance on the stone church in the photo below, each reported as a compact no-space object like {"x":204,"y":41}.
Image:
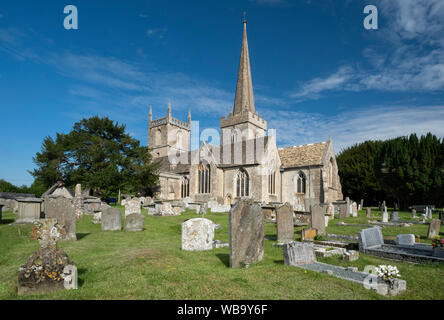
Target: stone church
{"x":247,"y":163}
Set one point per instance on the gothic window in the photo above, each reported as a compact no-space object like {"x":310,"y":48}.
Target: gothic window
{"x":185,"y":187}
{"x":330,"y":173}
{"x":242,"y":184}
{"x":204,"y":178}
{"x":300,"y":183}
{"x":272,"y":182}
{"x":157,"y":137}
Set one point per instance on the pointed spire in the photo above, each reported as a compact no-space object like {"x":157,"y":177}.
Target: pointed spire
{"x":150,"y":117}
{"x":169,"y":109}
{"x":244,"y":100}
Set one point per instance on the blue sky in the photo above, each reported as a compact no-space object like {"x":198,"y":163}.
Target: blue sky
{"x":317,"y":72}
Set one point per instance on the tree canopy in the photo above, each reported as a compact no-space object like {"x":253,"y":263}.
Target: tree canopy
{"x":407,"y":170}
{"x":98,"y":154}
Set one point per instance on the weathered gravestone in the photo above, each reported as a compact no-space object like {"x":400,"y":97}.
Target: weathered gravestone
{"x":434,"y":227}
{"x":394,"y":216}
{"x":28,"y":210}
{"x":165,"y":209}
{"x":430,"y":213}
{"x":203,"y":208}
{"x":296,"y":253}
{"x":362,"y":204}
{"x":246,"y":233}
{"x":369,"y":212}
{"x":132,"y":206}
{"x":348,"y":208}
{"x":308,"y":234}
{"x":318,"y":218}
{"x":48,"y":268}
{"x":198,"y":234}
{"x":354,"y":209}
{"x":62,"y":209}
{"x":370,"y":238}
{"x":134,"y":222}
{"x":111,"y":219}
{"x":405,"y":239}
{"x":78,"y":201}
{"x":284,"y":223}
{"x":343,"y":211}
{"x":414,"y":213}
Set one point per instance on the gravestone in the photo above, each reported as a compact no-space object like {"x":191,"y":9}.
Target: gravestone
{"x":394,"y":216}
{"x":165,"y":209}
{"x":246,"y":233}
{"x":284,"y":224}
{"x":405,"y":239}
{"x":62,"y":209}
{"x":308,"y":234}
{"x":132,"y":206}
{"x":430,"y":213}
{"x":423,"y":218}
{"x":48,"y":268}
{"x":296,"y":253}
{"x":198,"y":234}
{"x":318,"y":219}
{"x":414,"y":213}
{"x":354,"y":209}
{"x":362,"y":204}
{"x":29,"y":210}
{"x":385,"y":215}
{"x":203,"y":209}
{"x":78,"y":201}
{"x":348,"y":207}
{"x":369,"y":212}
{"x":111,"y":219}
{"x":434,"y":227}
{"x":371,"y":237}
{"x":343,"y":211}
{"x":134,"y":222}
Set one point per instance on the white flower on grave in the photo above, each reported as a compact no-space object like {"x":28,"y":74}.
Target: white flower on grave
{"x":387,"y":273}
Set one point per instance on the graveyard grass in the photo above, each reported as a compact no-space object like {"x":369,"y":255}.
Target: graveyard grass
{"x":151,"y":265}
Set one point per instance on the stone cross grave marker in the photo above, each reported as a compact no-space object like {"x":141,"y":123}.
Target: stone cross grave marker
{"x":246,"y":222}
{"x":284,"y":223}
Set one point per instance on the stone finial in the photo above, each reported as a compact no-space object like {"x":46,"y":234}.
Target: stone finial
{"x":189,"y":116}
{"x":150,"y":117}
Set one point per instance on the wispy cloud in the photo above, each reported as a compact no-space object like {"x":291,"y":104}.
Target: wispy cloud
{"x":348,"y":128}
{"x":156,"y":32}
{"x":412,"y":60}
{"x":273,"y":3}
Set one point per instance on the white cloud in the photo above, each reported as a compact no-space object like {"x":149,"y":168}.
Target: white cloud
{"x":156,"y":32}
{"x":348,"y":128}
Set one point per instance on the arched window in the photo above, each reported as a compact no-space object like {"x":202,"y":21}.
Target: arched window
{"x":271,"y":181}
{"x":330,"y":173}
{"x":300,"y":183}
{"x":157,"y":137}
{"x":179,"y":139}
{"x":242,"y":184}
{"x":185,"y":187}
{"x":204,"y":178}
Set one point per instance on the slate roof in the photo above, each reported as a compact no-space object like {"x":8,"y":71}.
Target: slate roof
{"x":56,"y":185}
{"x":11,"y":195}
{"x":305,"y":155}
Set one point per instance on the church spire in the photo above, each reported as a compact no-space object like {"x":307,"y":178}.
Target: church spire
{"x":244,"y":100}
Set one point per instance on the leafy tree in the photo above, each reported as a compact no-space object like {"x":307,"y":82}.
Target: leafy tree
{"x":98,"y":154}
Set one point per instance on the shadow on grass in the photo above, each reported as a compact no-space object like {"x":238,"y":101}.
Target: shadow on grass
{"x":279,"y":261}
{"x":271,"y":237}
{"x":80,"y":236}
{"x":80,"y":281}
{"x":225,"y":258}
{"x":7,"y":221}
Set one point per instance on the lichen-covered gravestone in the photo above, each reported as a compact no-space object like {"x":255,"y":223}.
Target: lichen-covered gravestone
{"x":111,"y":219}
{"x":48,"y":268}
{"x":298,"y":254}
{"x":318,"y":219}
{"x":198,"y":234}
{"x":284,"y":224}
{"x":62,"y":209}
{"x":308,"y":234}
{"x":134,"y":222}
{"x":434,"y":228}
{"x":132,"y":206}
{"x":246,"y":233}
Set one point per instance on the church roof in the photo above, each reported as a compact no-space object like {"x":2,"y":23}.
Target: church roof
{"x":244,"y":100}
{"x":305,"y":155}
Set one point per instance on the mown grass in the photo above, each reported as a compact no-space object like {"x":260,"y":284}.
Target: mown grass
{"x":151,"y":265}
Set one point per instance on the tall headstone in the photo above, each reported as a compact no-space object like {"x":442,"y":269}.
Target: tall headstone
{"x":246,"y":233}
{"x":48,"y":268}
{"x":434,"y":228}
{"x":430,"y":216}
{"x":369,"y":212}
{"x":385,"y":215}
{"x":354,"y":209}
{"x":111,"y":219}
{"x":284,"y":223}
{"x":134,"y":222}
{"x":296,"y":254}
{"x":318,"y":219}
{"x":132,"y":206}
{"x":348,"y":212}
{"x":343,"y":211}
{"x":62,"y":209}
{"x":414,"y":213}
{"x":78,"y":201}
{"x":198,"y":234}
{"x":362,"y":204}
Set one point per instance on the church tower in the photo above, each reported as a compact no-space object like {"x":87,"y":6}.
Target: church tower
{"x":168,"y":134}
{"x":243,"y":123}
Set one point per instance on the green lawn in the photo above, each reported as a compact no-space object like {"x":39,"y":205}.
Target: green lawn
{"x":151,"y":265}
